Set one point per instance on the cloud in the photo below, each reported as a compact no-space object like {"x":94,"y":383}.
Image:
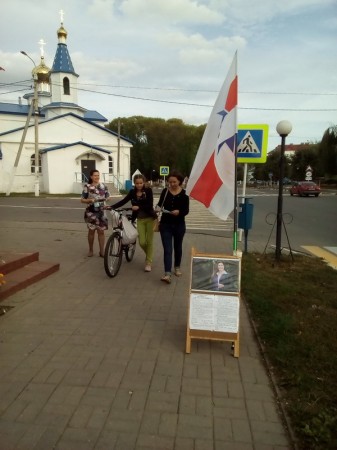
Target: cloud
{"x":284,"y":47}
{"x":101,"y":9}
{"x":261,"y":11}
{"x":100,"y":70}
{"x":176,"y":11}
{"x":196,"y":49}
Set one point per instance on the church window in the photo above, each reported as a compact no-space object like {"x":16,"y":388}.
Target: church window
{"x":66,"y":86}
{"x":32,"y":163}
{"x":111,"y":165}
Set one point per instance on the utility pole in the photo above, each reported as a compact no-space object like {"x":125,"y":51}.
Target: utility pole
{"x":36,"y":128}
{"x":17,"y":159}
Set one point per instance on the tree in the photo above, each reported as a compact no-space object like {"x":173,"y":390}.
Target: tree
{"x":302,"y":159}
{"x":168,"y":143}
{"x":327,"y":150}
{"x":295,"y":165}
{"x":272,"y":165}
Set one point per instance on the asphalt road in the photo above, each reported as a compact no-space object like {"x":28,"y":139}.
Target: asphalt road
{"x":308,"y":221}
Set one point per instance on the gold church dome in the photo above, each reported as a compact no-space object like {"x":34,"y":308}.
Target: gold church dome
{"x":62,"y":32}
{"x":42,"y":71}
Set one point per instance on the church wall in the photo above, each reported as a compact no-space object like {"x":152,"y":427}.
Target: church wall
{"x":10,"y":121}
{"x":60,"y":168}
{"x":57,"y":88}
{"x":62,"y":162}
{"x":24,"y":179}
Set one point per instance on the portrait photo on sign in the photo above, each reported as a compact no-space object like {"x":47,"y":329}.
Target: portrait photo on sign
{"x":215,"y":274}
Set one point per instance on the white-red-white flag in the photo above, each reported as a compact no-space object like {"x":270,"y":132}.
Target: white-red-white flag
{"x":212,"y":179}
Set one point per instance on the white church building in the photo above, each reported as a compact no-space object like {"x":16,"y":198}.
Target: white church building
{"x":69,"y":139}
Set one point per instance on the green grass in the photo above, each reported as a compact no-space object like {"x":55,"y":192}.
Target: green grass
{"x":294,"y":307}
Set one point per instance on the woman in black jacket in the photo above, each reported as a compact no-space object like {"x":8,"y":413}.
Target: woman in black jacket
{"x":174,"y":203}
{"x":141,"y":199}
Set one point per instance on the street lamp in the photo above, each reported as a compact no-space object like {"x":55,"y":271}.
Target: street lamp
{"x":36,"y":127}
{"x":283,"y":128}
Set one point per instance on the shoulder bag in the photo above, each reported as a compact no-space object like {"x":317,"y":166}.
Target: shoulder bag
{"x":156,"y":222}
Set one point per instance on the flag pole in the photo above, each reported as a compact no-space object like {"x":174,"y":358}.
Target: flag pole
{"x":235,"y":231}
{"x":235,"y":224}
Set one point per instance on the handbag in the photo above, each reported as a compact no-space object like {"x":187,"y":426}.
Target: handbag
{"x":156,"y":222}
{"x":130,"y":232}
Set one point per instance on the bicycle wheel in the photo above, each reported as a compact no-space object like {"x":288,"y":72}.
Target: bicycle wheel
{"x":113,"y":255}
{"x":130,"y":251}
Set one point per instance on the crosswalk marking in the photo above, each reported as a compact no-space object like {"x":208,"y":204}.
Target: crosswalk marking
{"x":329,"y":257}
{"x":200,"y":218}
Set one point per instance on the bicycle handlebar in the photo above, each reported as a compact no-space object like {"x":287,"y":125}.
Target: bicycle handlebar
{"x":110,"y":208}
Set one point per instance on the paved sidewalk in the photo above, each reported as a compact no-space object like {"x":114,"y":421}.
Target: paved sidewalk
{"x":89,"y":362}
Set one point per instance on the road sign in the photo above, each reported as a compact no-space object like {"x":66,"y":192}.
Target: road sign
{"x":252,"y":143}
{"x":308,"y":173}
{"x":164,"y":170}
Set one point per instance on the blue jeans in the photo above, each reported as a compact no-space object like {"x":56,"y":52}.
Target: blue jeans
{"x":172,"y":236}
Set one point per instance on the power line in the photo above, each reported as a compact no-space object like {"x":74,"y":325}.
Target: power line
{"x":10,"y":92}
{"x":182,"y":89}
{"x":288,"y":93}
{"x":203,"y":105}
{"x":205,"y":91}
{"x":291,"y":109}
{"x":80,"y":126}
{"x":18,"y":83}
{"x":197,"y":104}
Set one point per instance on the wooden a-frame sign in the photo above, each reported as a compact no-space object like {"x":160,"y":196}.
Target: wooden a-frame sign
{"x":214,"y":303}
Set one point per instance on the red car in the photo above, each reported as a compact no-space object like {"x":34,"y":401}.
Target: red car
{"x":305,"y":188}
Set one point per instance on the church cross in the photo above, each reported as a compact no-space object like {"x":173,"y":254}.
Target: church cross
{"x":42,"y":43}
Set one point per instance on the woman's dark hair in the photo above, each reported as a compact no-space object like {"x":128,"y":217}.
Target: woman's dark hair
{"x":91,"y":173}
{"x":215,"y":266}
{"x":139,"y":176}
{"x":177,"y":175}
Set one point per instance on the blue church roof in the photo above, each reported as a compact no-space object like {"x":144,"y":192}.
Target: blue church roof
{"x":94,"y":115}
{"x":14,"y":108}
{"x":62,"y":61}
{"x":88,"y":114}
{"x":22,"y":110}
{"x":106,"y":130}
{"x":83,"y":144}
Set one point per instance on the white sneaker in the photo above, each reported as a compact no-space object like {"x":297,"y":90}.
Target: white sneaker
{"x":177,"y":272}
{"x":166,"y":279}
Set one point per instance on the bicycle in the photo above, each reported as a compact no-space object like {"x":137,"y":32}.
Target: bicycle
{"x":115,"y":247}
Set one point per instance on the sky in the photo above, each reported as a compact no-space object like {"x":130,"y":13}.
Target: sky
{"x":169,"y":59}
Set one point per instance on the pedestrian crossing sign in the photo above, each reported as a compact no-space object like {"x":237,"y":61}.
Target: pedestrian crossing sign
{"x":252,"y":143}
{"x":164,"y":170}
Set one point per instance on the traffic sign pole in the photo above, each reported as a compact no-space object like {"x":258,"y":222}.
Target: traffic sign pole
{"x":164,"y":171}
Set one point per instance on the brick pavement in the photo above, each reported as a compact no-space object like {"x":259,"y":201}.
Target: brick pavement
{"x":89,"y":362}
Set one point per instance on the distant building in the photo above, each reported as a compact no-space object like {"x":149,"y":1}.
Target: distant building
{"x":291,"y":149}
{"x":71,"y":139}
